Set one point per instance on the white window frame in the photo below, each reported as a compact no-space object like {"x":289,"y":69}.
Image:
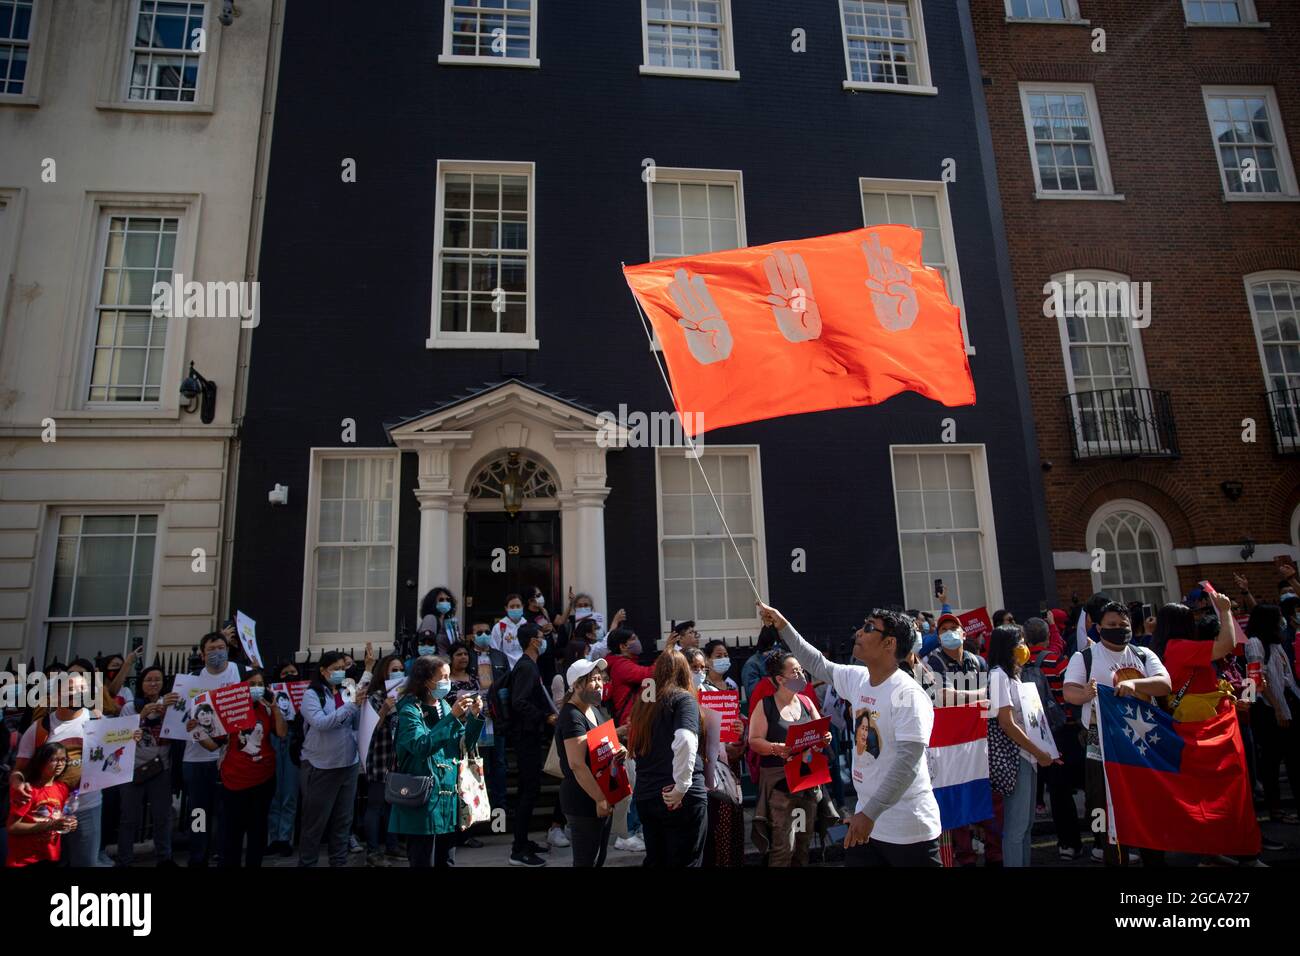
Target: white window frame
{"x":1290,"y":190}
{"x":939,"y":190}
{"x":484,"y":340}
{"x":115,"y":78}
{"x":92,"y":240}
{"x":1105,"y":184}
{"x":1140,"y":380}
{"x":1163,"y":538}
{"x":1248,"y":281}
{"x":984,"y":509}
{"x":1072,"y":15}
{"x":38,"y":635}
{"x":729,"y":628}
{"x":1249,"y":17}
{"x":447,"y":58}
{"x":307,"y":638}
{"x":728,"y":71}
{"x":37,"y":45}
{"x":925,"y":85}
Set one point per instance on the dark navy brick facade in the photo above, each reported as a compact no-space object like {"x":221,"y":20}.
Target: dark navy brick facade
{"x":346,"y":274}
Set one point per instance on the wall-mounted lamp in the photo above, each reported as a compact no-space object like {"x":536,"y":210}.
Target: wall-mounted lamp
{"x":512,"y":485}
{"x":1231,"y":489}
{"x":228,"y":13}
{"x":199,"y":392}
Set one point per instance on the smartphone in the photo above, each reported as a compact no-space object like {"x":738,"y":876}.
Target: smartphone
{"x":938,"y":586}
{"x":137,"y":643}
{"x":1146,"y":611}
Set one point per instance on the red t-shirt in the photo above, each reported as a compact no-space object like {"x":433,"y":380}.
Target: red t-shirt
{"x":1194,"y":659}
{"x":249,"y":759}
{"x":625,"y":677}
{"x":45,"y":803}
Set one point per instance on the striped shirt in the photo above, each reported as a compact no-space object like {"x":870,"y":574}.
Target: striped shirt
{"x":1053,"y":664}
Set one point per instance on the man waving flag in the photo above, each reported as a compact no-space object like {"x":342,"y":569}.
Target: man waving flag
{"x":831,"y":322}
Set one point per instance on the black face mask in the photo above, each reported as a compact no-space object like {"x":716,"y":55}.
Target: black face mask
{"x":1116,"y":635}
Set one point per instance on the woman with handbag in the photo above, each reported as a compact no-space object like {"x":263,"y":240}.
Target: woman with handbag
{"x":423,"y":788}
{"x":152,"y":782}
{"x":1014,"y":758}
{"x":586,"y":807}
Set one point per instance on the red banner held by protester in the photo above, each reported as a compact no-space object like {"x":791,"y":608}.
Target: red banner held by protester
{"x":234,"y":706}
{"x":727,"y":705}
{"x":978,"y":626}
{"x":611,"y":775}
{"x":803,"y":326}
{"x":807,"y":766}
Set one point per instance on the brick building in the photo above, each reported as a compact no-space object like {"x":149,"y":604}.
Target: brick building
{"x":1155,"y":152}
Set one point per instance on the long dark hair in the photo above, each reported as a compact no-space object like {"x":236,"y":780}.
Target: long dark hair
{"x":379,"y":676}
{"x":1174,"y":622}
{"x":423,"y":670}
{"x":672,"y":678}
{"x":1002,"y":648}
{"x":427,"y":608}
{"x":139,"y":684}
{"x":326,"y":659}
{"x":1265,"y":622}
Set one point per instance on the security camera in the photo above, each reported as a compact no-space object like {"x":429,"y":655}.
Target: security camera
{"x":279,"y":495}
{"x":227,"y":16}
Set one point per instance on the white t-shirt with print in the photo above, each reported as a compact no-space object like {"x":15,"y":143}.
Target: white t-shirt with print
{"x":897,"y":709}
{"x":70,"y":733}
{"x":1001,"y":695}
{"x":1104,"y":665}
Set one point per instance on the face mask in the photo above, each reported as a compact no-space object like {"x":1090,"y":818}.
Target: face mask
{"x":541,"y":647}
{"x":795,"y":685}
{"x":635,"y":647}
{"x":441,"y":689}
{"x":288,"y":677}
{"x":925,"y":627}
{"x":483,"y":640}
{"x":539,"y":601}
{"x":720,"y":665}
{"x":257,"y":693}
{"x":1020,"y":655}
{"x":697,"y":678}
{"x":582,"y":613}
{"x":1116,"y":635}
{"x":951,"y":640}
{"x":217,"y":659}
{"x":337,"y":677}
{"x":515,"y":614}
{"x":592,"y":696}
{"x":443,"y":607}
{"x":426,"y":650}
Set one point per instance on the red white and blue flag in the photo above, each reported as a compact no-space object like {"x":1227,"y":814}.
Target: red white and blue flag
{"x":1173,"y":785}
{"x":958,"y":757}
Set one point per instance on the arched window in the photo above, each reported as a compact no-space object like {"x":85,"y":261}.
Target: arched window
{"x":1136,"y":559}
{"x":534,"y":480}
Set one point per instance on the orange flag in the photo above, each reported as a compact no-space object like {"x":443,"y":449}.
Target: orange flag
{"x":790,"y":327}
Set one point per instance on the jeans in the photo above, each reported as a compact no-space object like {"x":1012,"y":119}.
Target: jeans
{"x":1018,"y":816}
{"x":284,"y":803}
{"x":80,"y":848}
{"x":244,"y":814}
{"x":674,"y":838}
{"x":328,"y":798}
{"x":528,"y":754}
{"x":377,"y":819}
{"x":590,"y":836}
{"x":203,"y":788}
{"x":494,"y":767}
{"x":878,"y":853}
{"x":157,"y":793}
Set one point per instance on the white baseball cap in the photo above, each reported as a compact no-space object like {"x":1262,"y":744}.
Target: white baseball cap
{"x":580,"y":669}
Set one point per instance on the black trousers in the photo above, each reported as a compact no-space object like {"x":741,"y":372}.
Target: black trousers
{"x":430,"y":851}
{"x":876,"y":853}
{"x":1277,"y":746}
{"x":528,"y":759}
{"x":1061,"y":781}
{"x":245,"y":815}
{"x":590,"y":836}
{"x":674,"y":838}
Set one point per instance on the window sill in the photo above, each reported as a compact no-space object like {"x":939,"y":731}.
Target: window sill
{"x":145,"y":413}
{"x":1262,"y":197}
{"x":688,"y":73}
{"x":1102,"y":197}
{"x":152,"y":106}
{"x":859,"y":85}
{"x":499,"y":342}
{"x":1257,"y":25}
{"x":461,"y":59}
{"x":20,"y":99}
{"x":1049,"y":21}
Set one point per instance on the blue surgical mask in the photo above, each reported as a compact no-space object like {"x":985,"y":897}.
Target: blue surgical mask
{"x":337,"y":677}
{"x":217,"y":659}
{"x":442,"y":689}
{"x":443,"y":607}
{"x":541,"y":647}
{"x":795,"y":685}
{"x":515,"y":614}
{"x":697,"y":678}
{"x":483,"y":640}
{"x":720,"y":665}
{"x":951,"y":640}
{"x":925,"y":627}
{"x":427,"y":650}
{"x":539,"y":601}
{"x":257,"y":693}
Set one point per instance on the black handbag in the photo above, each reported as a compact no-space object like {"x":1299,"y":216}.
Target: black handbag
{"x":148,"y":770}
{"x":407,"y":790}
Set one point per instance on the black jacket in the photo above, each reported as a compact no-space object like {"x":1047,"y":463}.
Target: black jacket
{"x":529,"y":703}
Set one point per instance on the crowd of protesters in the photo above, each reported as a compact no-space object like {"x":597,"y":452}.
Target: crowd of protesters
{"x":449,"y":710}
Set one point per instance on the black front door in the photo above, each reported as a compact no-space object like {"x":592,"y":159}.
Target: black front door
{"x":528,"y":557}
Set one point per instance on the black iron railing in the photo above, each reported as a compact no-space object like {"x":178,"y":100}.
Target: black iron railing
{"x":1284,"y":409}
{"x":1122,"y":423}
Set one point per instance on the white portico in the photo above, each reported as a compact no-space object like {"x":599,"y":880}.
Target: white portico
{"x":463,"y":445}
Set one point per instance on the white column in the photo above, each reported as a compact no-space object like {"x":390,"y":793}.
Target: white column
{"x":434,"y":530}
{"x":589,"y":523}
{"x":584,"y":517}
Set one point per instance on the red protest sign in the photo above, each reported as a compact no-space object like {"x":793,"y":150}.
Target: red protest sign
{"x":296,"y":689}
{"x":611,"y":775}
{"x":807,"y":766}
{"x":727,"y":705}
{"x":978,"y":626}
{"x":234,"y":706}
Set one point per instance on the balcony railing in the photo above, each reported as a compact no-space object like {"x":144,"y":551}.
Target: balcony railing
{"x":1284,"y":409}
{"x":1122,"y":423}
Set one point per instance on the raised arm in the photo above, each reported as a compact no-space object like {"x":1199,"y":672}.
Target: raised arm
{"x":813,"y":660}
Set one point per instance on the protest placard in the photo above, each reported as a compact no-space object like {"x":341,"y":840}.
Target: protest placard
{"x":185,"y":688}
{"x":978,"y":626}
{"x":611,"y":775}
{"x":366,"y":729}
{"x":1036,"y":727}
{"x":205,"y":712}
{"x":296,"y":689}
{"x":234,"y":706}
{"x":108,"y":752}
{"x":727,"y":705}
{"x":284,"y":700}
{"x":807,"y":766}
{"x":393,"y":686}
{"x":247,"y":629}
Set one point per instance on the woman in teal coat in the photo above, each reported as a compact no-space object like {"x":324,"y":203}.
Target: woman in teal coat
{"x":429,"y":737}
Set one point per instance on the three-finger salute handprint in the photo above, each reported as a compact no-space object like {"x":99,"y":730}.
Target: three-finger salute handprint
{"x":797,"y":314}
{"x":707,"y":333}
{"x":892,"y":294}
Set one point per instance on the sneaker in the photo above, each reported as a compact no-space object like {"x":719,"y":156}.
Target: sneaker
{"x":1069,"y":852}
{"x":631,"y":843}
{"x":555,"y":837}
{"x":1098,"y":856}
{"x":534,"y":847}
{"x":376,"y":859}
{"x":1273,"y":846}
{"x":354,"y":845}
{"x":526,"y":859}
